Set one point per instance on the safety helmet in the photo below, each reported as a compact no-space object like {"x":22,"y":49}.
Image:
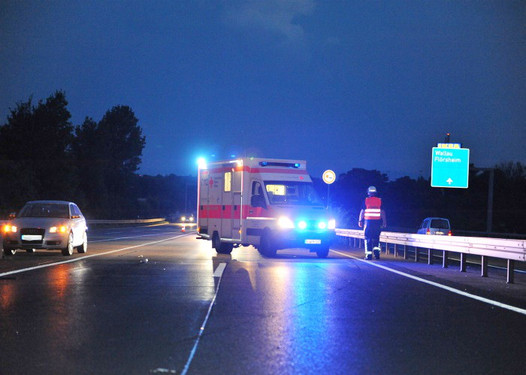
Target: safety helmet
{"x":371,"y":190}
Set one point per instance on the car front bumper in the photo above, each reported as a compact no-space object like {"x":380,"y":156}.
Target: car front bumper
{"x":36,"y":241}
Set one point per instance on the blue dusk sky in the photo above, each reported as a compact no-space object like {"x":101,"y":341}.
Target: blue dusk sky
{"x":342,"y":84}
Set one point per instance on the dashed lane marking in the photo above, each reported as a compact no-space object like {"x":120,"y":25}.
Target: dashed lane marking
{"x":217,"y":273}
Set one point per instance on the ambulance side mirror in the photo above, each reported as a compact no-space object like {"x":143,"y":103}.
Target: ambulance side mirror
{"x":258,"y":201}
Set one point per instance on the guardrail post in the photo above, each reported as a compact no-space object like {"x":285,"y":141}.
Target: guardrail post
{"x":462,"y":262}
{"x":416,"y":254}
{"x":395,"y":250}
{"x":484,"y":266}
{"x":405,"y":252}
{"x":445,"y":259}
{"x":429,"y":256}
{"x":510,"y":271}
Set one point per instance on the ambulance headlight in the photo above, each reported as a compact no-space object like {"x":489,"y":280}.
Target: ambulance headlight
{"x":302,"y":224}
{"x":285,"y":223}
{"x":322,"y":225}
{"x":332,"y":224}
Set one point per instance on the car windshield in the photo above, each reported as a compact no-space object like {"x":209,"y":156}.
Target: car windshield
{"x":440,"y":224}
{"x":292,"y":193}
{"x":45,"y":210}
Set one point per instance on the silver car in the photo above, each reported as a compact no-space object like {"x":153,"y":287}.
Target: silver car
{"x":435,"y":226}
{"x":46,"y":225}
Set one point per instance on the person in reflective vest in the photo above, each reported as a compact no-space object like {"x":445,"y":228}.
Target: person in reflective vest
{"x":372,"y":219}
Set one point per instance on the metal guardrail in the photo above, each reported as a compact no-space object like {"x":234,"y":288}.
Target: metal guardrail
{"x":509,"y":249}
{"x":120,"y":222}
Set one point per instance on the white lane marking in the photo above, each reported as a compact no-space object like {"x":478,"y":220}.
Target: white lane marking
{"x":445,"y":287}
{"x":83,"y":258}
{"x":221,"y":268}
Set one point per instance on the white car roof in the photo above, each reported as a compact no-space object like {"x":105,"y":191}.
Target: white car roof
{"x":51,"y":202}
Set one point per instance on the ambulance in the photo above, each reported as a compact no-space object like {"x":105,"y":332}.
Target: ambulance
{"x":270,"y":204}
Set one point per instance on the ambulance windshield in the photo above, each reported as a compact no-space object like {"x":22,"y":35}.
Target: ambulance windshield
{"x":292,"y":193}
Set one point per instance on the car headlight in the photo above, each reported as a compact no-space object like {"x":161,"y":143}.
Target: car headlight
{"x":8,"y":228}
{"x":322,"y":225}
{"x":285,"y":223}
{"x":332,"y":224}
{"x":58,"y":229}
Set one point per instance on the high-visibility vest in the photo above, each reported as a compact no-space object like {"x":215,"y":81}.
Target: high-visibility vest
{"x":373,"y":208}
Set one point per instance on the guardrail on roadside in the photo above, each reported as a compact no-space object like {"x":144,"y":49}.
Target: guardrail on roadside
{"x":121,"y":222}
{"x":509,"y":249}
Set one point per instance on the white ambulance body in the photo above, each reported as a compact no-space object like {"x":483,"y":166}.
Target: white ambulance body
{"x":268,"y":203}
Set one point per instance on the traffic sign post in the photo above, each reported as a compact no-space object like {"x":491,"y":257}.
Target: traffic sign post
{"x":450,"y":167}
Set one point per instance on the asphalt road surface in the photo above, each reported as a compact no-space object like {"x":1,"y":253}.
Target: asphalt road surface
{"x":153,"y":300}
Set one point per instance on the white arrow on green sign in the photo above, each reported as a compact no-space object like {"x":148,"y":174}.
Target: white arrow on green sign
{"x":450,"y":167}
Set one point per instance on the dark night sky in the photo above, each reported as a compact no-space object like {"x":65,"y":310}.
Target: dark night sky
{"x":342,"y":84}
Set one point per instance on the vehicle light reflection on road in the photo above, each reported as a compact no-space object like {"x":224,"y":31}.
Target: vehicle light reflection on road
{"x":303,"y":330}
{"x":7,"y":293}
{"x":62,"y":324}
{"x":311,"y":324}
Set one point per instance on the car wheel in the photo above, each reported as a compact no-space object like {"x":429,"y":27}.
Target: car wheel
{"x":9,"y":251}
{"x":266,"y":245}
{"x":84,"y":247}
{"x":68,"y":250}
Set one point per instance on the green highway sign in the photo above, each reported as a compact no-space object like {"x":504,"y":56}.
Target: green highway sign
{"x":450,"y":167}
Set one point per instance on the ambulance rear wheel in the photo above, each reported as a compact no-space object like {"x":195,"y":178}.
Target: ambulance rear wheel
{"x":225,"y":248}
{"x":266,"y":245}
{"x":216,"y":242}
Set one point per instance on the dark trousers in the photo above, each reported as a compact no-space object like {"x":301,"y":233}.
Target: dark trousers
{"x":371,"y":233}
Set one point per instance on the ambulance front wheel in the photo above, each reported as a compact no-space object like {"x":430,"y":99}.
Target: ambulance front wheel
{"x":266,"y":245}
{"x":322,"y":251}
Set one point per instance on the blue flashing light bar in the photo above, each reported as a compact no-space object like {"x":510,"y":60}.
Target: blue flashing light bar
{"x":278,"y":164}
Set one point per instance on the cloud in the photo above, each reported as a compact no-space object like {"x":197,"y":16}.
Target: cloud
{"x":276,"y":17}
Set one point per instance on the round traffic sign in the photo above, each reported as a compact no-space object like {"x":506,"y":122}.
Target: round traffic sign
{"x":329,"y":177}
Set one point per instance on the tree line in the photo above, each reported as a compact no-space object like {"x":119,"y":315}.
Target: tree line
{"x":44,"y":156}
{"x":95,"y":164}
